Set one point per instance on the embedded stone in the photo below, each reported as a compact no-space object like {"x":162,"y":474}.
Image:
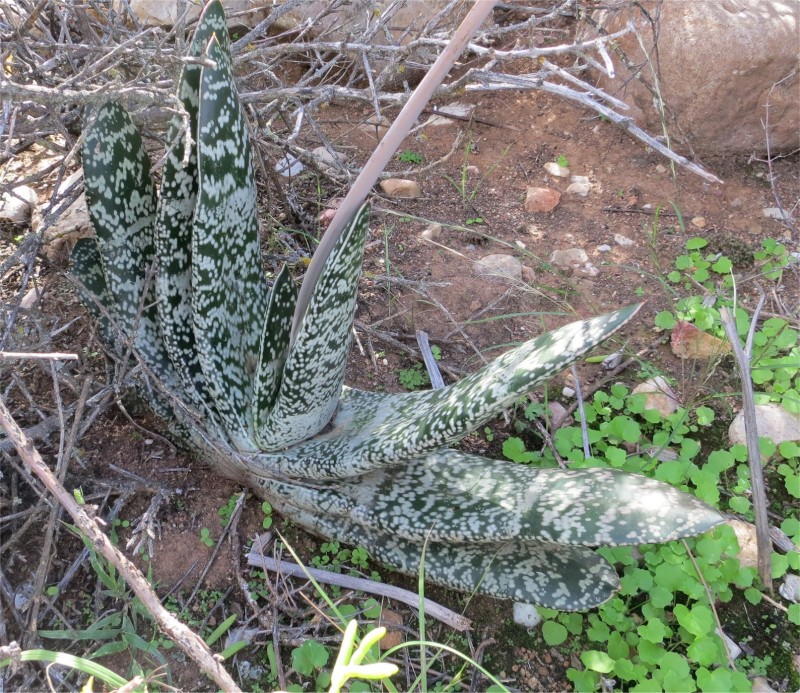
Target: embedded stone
{"x":737,"y":72}
{"x":790,"y":587}
{"x":541,"y":199}
{"x":658,"y":395}
{"x":773,"y":422}
{"x":688,"y":342}
{"x":17,"y":205}
{"x":748,"y":544}
{"x":327,"y":161}
{"x":623,"y":241}
{"x":581,"y":189}
{"x":393,"y":622}
{"x":498,"y":267}
{"x":571,"y":257}
{"x":432,"y":231}
{"x":556,"y":169}
{"x":398,"y":187}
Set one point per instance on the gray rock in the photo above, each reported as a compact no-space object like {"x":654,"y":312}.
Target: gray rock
{"x":790,"y":587}
{"x":623,"y":241}
{"x":289,"y":165}
{"x":581,"y":189}
{"x":571,"y":257}
{"x":17,"y":205}
{"x":605,"y":248}
{"x":773,"y":422}
{"x":775,"y":213}
{"x":658,"y":395}
{"x":556,"y":170}
{"x":327,"y":161}
{"x":498,"y":267}
{"x":457,"y":109}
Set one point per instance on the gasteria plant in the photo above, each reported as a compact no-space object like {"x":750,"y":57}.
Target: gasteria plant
{"x":178,"y":281}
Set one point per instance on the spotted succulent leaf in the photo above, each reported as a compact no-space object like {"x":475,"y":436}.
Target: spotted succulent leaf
{"x":371,"y":430}
{"x":274,"y":346}
{"x":313,"y":375}
{"x":450,"y":496}
{"x":229,"y":291}
{"x":121,"y":201}
{"x":175,"y":217}
{"x":87,"y":266}
{"x":568,"y":578}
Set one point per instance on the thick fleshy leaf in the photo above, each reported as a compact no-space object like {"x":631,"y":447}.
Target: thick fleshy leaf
{"x":371,"y":430}
{"x":449,"y":496}
{"x":87,"y":266}
{"x":313,"y":375}
{"x":175,"y":216}
{"x":229,"y":290}
{"x":568,"y":578}
{"x":274,"y":346}
{"x":121,"y":202}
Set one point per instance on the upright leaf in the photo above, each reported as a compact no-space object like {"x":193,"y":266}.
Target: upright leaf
{"x":175,"y":217}
{"x":229,"y":291}
{"x":274,"y":346}
{"x":121,"y":201}
{"x":314,"y":372}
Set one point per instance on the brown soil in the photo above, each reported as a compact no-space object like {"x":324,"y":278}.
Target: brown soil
{"x":539,"y":128}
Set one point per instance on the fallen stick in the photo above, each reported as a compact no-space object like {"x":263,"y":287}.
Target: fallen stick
{"x":189,"y":642}
{"x":440,"y":613}
{"x":742,"y":358}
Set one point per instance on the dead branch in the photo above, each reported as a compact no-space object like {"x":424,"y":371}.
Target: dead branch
{"x":188,"y":641}
{"x":743,"y":357}
{"x":450,"y":618}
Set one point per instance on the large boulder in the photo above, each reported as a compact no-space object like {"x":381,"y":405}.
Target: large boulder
{"x":718,"y":64}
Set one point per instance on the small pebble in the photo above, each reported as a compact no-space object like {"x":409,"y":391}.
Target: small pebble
{"x":775,"y":213}
{"x":660,"y":168}
{"x":568,"y":392}
{"x":398,"y":187}
{"x":556,"y":170}
{"x":473,"y":170}
{"x":623,"y":241}
{"x":581,"y":189}
{"x":590,"y":269}
{"x":603,"y":248}
{"x":699,"y":222}
{"x":432,"y":232}
{"x":541,"y":199}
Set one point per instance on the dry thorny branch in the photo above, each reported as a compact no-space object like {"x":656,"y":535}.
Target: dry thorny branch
{"x":58,"y":59}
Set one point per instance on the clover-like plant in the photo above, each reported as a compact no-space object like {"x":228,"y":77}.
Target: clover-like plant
{"x":180,"y":283}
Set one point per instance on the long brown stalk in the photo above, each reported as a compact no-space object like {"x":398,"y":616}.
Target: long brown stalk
{"x":385,"y":150}
{"x":188,"y":641}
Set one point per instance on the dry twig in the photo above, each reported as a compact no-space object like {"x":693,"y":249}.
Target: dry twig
{"x":743,"y":358}
{"x":188,"y":641}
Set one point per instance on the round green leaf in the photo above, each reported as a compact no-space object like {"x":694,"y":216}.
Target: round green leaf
{"x":597,"y":661}
{"x":665,"y":320}
{"x":553,"y":633}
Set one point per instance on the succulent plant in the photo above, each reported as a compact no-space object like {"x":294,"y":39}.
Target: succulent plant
{"x":176,"y":281}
